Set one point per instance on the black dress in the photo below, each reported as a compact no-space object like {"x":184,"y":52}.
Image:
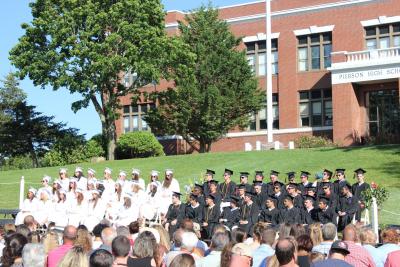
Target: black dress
{"x":139,"y":262}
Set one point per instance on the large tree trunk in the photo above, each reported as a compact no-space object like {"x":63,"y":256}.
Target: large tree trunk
{"x":203,"y":146}
{"x":109,"y":131}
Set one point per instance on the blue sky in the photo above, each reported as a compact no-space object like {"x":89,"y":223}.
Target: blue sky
{"x":58,"y":103}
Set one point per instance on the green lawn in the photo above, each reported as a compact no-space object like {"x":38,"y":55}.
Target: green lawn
{"x":381,"y":162}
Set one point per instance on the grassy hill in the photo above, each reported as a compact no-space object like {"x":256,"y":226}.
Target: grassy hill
{"x":381,"y":162}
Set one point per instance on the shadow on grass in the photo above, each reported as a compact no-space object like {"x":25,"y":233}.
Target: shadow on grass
{"x":394,"y":149}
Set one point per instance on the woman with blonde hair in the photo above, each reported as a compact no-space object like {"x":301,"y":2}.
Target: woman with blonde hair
{"x":164,"y":236}
{"x":50,"y":241}
{"x":75,"y":257}
{"x":84,"y":240}
{"x":316,"y":233}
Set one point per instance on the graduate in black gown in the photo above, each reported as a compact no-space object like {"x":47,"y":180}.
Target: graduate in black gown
{"x":348,"y":206}
{"x":340,"y":181}
{"x":279,"y":195}
{"x":213,"y":185}
{"x":211,"y":216}
{"x":309,"y":214}
{"x":198,"y":191}
{"x":249,"y":213}
{"x":325,"y":213}
{"x":230,"y":216}
{"x":207,"y":178}
{"x":175,"y":213}
{"x":273,"y":179}
{"x":259,"y":176}
{"x":297,"y":198}
{"x":259,"y":198}
{"x":326,"y":179}
{"x":304,"y":184}
{"x":291,"y":177}
{"x":357,"y":190}
{"x":228,"y":187}
{"x":290,"y":214}
{"x":194,"y":210}
{"x":244,"y":180}
{"x":241,"y":191}
{"x":333,"y":199}
{"x":270,"y":214}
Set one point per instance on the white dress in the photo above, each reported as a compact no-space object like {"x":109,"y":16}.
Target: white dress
{"x":109,"y":189}
{"x":43,"y":211}
{"x":82,"y":183}
{"x":76,"y":213}
{"x":28,"y":208}
{"x":126,"y":216}
{"x":59,"y":214}
{"x":94,"y":214}
{"x":64,"y":183}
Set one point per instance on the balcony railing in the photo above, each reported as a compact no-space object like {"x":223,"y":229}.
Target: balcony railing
{"x":375,"y":54}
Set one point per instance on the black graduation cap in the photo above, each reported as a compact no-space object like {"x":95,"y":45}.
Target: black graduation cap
{"x":241,"y":186}
{"x":305,"y":173}
{"x":194,"y":197}
{"x":288,"y":197}
{"x":347,"y":185}
{"x":272,"y":198}
{"x":255,"y":182}
{"x":310,"y":198}
{"x":324,"y":199}
{"x":310,"y":187}
{"x":210,"y":197}
{"x":278,"y":183}
{"x":198,"y":186}
{"x":177,"y":194}
{"x":215,"y":182}
{"x":235,"y":199}
{"x":328,"y":172}
{"x":260,"y":173}
{"x":246,"y":174}
{"x":360,"y":170}
{"x":249,"y":193}
{"x":274,"y":172}
{"x":211,"y":172}
{"x":293,"y":185}
{"x":328,"y":184}
{"x":291,"y":175}
{"x":228,"y":171}
{"x":340,"y":171}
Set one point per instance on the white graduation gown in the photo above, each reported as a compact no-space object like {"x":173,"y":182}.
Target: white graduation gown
{"x":28,"y":208}
{"x":59,"y":214}
{"x":76,"y":213}
{"x":94,"y":214}
{"x":43,"y":211}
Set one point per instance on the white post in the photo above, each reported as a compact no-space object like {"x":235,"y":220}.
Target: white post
{"x":375,"y":224}
{"x":268,"y":73}
{"x":291,"y":145}
{"x":21,"y":192}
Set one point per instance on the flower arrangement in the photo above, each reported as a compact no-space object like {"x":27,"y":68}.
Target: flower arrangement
{"x":380,"y":193}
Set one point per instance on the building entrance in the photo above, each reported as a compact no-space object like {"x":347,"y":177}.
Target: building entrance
{"x":384,"y":115}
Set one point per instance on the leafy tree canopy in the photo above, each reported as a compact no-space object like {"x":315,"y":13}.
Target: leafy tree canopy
{"x":216,"y":94}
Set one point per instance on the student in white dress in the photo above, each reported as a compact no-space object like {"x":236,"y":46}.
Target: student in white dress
{"x":73,"y":185}
{"x":44,"y":207}
{"x":168,"y":186}
{"x":63,"y":178}
{"x":59,"y":214}
{"x":136,"y":178}
{"x":29,"y":206}
{"x":81,"y":180}
{"x":126,"y":185}
{"x":91,"y":185}
{"x":128,"y":212}
{"x":55,"y":188}
{"x":45,"y":186}
{"x":151,"y":207}
{"x":109,"y":186}
{"x":77,"y":209}
{"x":96,"y":211}
{"x":91,"y":175}
{"x":154,"y":177}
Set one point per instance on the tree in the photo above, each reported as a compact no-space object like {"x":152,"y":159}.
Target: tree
{"x":10,"y":95}
{"x":86,"y":46}
{"x":218,"y":93}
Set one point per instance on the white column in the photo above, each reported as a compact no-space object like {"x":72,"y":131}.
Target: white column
{"x":21,"y":191}
{"x":268,"y":72}
{"x":375,"y":222}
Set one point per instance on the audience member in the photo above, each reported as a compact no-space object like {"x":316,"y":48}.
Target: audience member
{"x":50,"y":241}
{"x":241,"y":255}
{"x":183,"y":260}
{"x":390,"y":240}
{"x":33,"y":255}
{"x":134,"y":230}
{"x":239,"y":235}
{"x":297,"y":230}
{"x":55,"y":255}
{"x":144,"y":251}
{"x":328,"y":236}
{"x":97,"y":235}
{"x":107,"y":236}
{"x":218,"y":242}
{"x":120,"y":250}
{"x":255,"y":241}
{"x":265,"y":250}
{"x":101,"y":258}
{"x":393,"y":259}
{"x":368,"y":241}
{"x":75,"y":257}
{"x":30,"y":222}
{"x":316,"y":234}
{"x":304,"y":247}
{"x":339,"y":250}
{"x":84,"y":240}
{"x":358,"y":255}
{"x":23,"y":230}
{"x":12,"y":252}
{"x":286,"y":253}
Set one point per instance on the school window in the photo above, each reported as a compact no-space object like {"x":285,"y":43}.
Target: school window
{"x":382,"y":36}
{"x":256,"y":56}
{"x":133,"y":117}
{"x":315,"y":108}
{"x":314,"y":51}
{"x":259,"y":120}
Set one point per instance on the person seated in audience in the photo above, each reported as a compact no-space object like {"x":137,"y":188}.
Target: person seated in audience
{"x":368,"y":241}
{"x":337,"y":254}
{"x":390,"y":238}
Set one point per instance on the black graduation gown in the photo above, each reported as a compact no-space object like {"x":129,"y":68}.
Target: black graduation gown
{"x":338,"y":185}
{"x":248,"y":187}
{"x":298,"y":201}
{"x":260,"y":200}
{"x":206,"y":188}
{"x":327,"y":215}
{"x":230,"y":216}
{"x":270,"y":216}
{"x":320,"y":186}
{"x":350,"y":206}
{"x":227,"y":190}
{"x":195,"y":214}
{"x":270,"y":189}
{"x":309,"y":217}
{"x":357,"y":189}
{"x":333,"y":201}
{"x":217,"y":198}
{"x":291,"y":216}
{"x":210,"y":216}
{"x":303,"y":187}
{"x":250,"y":214}
{"x":279,"y":201}
{"x":175,"y":212}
